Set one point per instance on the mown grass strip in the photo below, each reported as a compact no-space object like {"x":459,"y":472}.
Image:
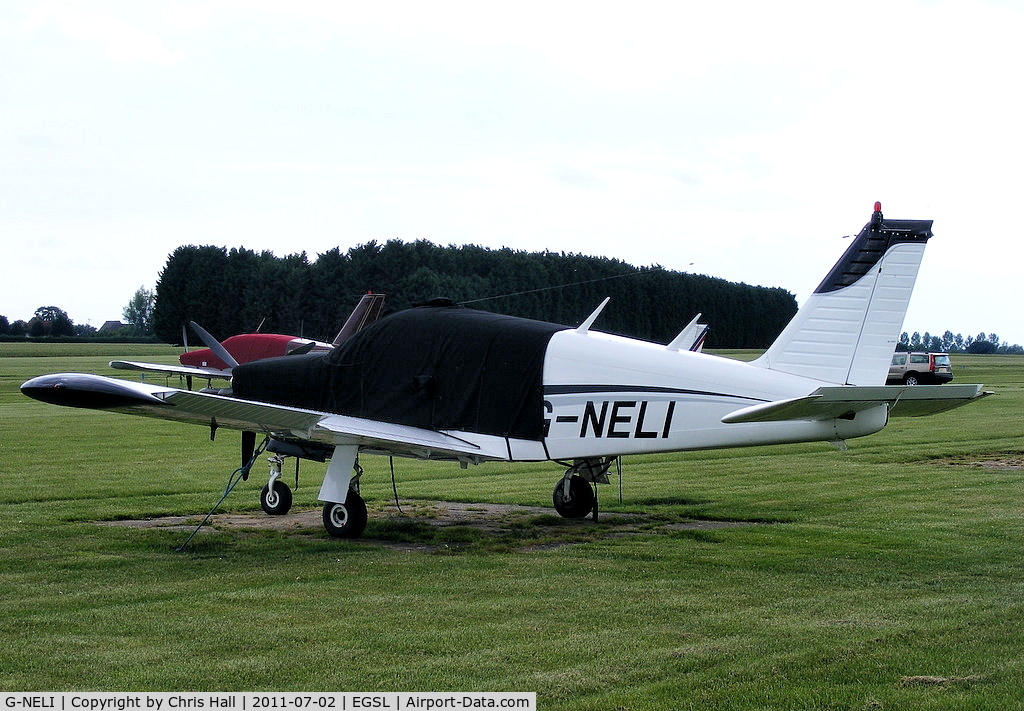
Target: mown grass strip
{"x":888,"y":576}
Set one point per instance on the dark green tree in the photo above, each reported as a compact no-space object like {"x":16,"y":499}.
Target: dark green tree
{"x":193,"y":286}
{"x":51,"y":321}
{"x":139,"y":312}
{"x":233,"y":292}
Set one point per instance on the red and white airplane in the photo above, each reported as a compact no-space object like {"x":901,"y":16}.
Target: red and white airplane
{"x":217,"y":360}
{"x":447,"y":382}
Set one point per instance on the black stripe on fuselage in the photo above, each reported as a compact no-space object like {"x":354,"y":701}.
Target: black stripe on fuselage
{"x":598,"y":390}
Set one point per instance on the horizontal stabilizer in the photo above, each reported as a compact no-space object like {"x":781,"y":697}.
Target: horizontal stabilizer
{"x":831,"y":402}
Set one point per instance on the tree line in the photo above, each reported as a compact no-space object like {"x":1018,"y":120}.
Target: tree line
{"x":239,"y":290}
{"x":53,"y":322}
{"x":949,"y":342}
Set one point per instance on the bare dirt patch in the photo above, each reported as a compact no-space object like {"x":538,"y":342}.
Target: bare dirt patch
{"x":941,"y":680}
{"x":1012,"y":461}
{"x":433,"y":525}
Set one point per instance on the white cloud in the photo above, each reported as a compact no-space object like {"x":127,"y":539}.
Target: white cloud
{"x":120,"y":38}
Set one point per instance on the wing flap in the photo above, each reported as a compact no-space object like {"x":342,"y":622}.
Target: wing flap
{"x":414,"y":441}
{"x":828,"y":403}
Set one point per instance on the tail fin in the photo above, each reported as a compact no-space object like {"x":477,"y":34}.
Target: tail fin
{"x":367,"y":311}
{"x":691,"y":338}
{"x":847,"y":330}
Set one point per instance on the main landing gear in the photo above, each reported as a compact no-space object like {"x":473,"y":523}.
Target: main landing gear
{"x":347,"y":520}
{"x":574,"y":497}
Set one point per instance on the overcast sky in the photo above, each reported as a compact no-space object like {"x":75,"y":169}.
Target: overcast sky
{"x":742,"y":140}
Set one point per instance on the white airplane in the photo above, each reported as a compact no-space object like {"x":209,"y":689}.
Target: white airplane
{"x":450,"y":383}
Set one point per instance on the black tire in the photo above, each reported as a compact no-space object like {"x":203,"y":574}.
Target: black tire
{"x":911,"y":379}
{"x":345,"y":520}
{"x":578,"y":503}
{"x":277,"y":502}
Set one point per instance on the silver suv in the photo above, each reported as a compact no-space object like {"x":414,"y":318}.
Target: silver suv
{"x":920,"y":368}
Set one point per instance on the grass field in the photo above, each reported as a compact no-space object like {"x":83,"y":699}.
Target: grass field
{"x":889,"y":576}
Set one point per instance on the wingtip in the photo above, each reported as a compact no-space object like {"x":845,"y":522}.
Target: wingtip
{"x":87,"y":391}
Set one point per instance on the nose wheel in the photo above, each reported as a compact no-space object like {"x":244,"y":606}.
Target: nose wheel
{"x":276,"y":497}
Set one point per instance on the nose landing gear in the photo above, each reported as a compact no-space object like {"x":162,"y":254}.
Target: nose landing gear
{"x":276,"y":497}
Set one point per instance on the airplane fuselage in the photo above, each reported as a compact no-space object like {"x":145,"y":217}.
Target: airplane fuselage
{"x":606,"y":395}
{"x":248,"y":347}
{"x":578,"y":394}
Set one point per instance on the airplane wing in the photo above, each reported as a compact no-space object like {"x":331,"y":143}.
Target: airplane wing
{"x":828,"y":403}
{"x":279,"y":421}
{"x":188,"y":370}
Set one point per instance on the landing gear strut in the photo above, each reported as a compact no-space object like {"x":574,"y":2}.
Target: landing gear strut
{"x":573,"y":496}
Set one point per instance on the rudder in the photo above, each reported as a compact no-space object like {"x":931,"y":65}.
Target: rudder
{"x":847,"y":330}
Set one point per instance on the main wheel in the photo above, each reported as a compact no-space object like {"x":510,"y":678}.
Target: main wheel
{"x":911,"y":379}
{"x":276,"y":501}
{"x":345,"y":520}
{"x":578,"y":503}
